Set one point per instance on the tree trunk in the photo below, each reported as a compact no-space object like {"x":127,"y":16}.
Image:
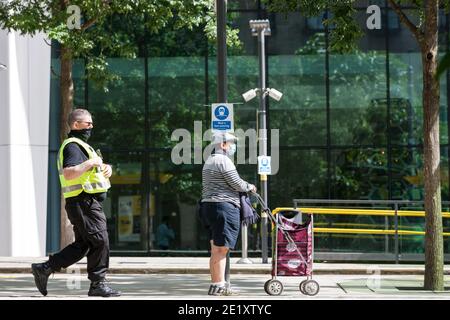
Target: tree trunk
{"x":67,"y":92}
{"x":434,"y":253}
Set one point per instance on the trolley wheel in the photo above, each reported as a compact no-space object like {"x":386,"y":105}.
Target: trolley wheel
{"x":310,"y":287}
{"x":301,"y":286}
{"x":266,"y":284}
{"x":273,"y":287}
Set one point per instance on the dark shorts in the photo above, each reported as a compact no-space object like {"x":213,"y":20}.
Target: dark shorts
{"x":222,"y":219}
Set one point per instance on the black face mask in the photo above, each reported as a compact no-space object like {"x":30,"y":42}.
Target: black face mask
{"x":83,"y":134}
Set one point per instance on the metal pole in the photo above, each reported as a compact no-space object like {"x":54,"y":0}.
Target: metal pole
{"x":262,"y":136}
{"x":410,"y":108}
{"x":244,"y":237}
{"x":396,"y":234}
{"x":222,"y":93}
{"x":386,"y":237}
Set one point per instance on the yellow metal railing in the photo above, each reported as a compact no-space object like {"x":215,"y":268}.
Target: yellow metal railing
{"x":372,"y":231}
{"x":364,"y":212}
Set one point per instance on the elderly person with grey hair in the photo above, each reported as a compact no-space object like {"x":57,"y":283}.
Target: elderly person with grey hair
{"x":220,"y":205}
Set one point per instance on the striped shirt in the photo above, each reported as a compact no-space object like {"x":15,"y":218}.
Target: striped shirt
{"x":221,"y":181}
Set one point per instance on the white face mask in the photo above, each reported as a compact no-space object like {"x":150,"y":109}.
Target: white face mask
{"x":231,"y":150}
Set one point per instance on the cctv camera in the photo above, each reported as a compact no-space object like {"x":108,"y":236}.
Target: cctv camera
{"x":3,"y":67}
{"x":275,"y":94}
{"x":249,"y":95}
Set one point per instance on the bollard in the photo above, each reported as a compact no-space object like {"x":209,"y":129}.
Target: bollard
{"x":244,"y":237}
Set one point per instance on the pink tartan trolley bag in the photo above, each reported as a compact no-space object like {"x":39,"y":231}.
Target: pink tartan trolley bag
{"x":292,"y":249}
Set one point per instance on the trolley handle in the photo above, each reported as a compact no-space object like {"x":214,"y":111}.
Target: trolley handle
{"x":261,"y":201}
{"x":269,"y":213}
{"x":264,"y":206}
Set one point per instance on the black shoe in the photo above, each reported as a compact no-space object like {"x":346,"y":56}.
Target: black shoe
{"x":41,"y":272}
{"x":102,"y":289}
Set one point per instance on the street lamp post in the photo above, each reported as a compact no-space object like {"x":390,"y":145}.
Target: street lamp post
{"x":260,"y":29}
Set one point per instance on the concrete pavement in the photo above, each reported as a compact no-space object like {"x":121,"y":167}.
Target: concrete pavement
{"x":191,"y":265}
{"x":188,"y":278}
{"x":194,"y":287}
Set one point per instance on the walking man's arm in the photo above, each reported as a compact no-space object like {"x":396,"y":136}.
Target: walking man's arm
{"x":74,"y":172}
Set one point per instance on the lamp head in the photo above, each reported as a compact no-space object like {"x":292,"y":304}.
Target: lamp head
{"x":250,"y":94}
{"x":258,"y":25}
{"x":275,"y":94}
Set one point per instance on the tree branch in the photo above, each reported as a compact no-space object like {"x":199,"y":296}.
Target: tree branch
{"x":88,"y":24}
{"x":403,"y":18}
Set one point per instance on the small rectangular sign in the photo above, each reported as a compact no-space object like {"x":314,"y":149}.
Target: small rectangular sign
{"x":222,"y":118}
{"x":264,"y":165}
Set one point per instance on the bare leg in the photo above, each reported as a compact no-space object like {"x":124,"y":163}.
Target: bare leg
{"x":217,"y":263}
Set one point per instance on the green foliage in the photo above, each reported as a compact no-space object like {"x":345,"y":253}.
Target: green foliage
{"x":99,"y":35}
{"x":345,"y":31}
{"x":126,"y":29}
{"x":338,"y":16}
{"x":97,"y":68}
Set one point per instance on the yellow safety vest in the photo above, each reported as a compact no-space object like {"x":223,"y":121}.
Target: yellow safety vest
{"x":91,"y":181}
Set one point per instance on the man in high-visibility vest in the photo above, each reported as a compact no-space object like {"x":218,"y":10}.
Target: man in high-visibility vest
{"x":84,"y":182}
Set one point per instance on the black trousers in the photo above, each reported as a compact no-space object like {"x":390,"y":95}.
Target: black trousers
{"x":91,"y":238}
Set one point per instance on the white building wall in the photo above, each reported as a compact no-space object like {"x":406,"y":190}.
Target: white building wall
{"x":24,"y":123}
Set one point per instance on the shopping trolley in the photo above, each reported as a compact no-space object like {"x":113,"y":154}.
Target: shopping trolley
{"x":292,"y":249}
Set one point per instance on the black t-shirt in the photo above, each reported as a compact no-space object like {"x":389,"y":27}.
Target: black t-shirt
{"x":73,"y":155}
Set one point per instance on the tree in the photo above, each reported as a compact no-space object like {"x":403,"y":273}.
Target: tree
{"x":81,"y":27}
{"x":343,"y":38}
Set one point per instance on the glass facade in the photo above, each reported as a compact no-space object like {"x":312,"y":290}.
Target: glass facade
{"x":350,"y":127}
